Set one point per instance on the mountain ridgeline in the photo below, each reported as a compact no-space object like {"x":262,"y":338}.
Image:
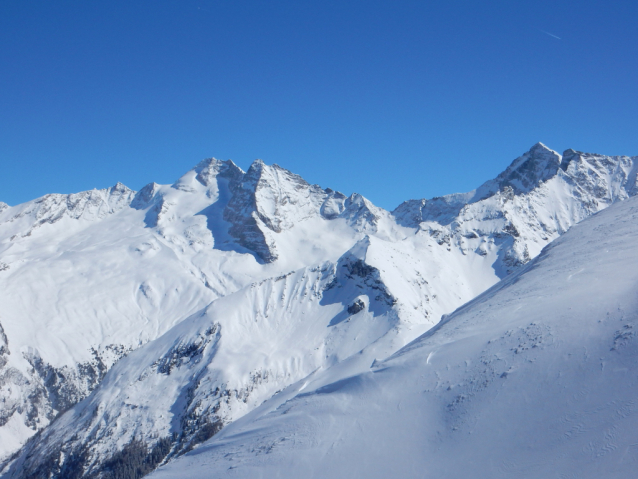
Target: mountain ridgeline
{"x":137,"y":325}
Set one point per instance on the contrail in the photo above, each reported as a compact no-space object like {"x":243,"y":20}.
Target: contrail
{"x":551,"y":35}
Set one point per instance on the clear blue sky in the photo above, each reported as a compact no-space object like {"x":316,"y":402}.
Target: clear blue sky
{"x":391,"y":99}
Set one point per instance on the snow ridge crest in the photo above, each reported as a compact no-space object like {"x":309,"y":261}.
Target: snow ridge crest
{"x":87,"y":205}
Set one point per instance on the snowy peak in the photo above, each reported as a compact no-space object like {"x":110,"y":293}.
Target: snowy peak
{"x":209,"y":169}
{"x":207,"y":174}
{"x":183,"y":208}
{"x":143,"y":197}
{"x":361,"y":214}
{"x":538,"y":197}
{"x":523,"y":175}
{"x":281,"y":198}
{"x":269,"y":200}
{"x":118,"y":196}
{"x":593,"y":180}
{"x":526,"y":172}
{"x":214,"y":204}
{"x":3,"y":206}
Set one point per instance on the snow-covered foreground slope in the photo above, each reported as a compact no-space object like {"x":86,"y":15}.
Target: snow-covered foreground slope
{"x":534,"y":378}
{"x":183,"y":307}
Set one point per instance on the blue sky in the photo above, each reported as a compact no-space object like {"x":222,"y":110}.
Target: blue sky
{"x":391,"y":99}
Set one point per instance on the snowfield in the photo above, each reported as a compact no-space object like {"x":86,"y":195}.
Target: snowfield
{"x":231,"y":305}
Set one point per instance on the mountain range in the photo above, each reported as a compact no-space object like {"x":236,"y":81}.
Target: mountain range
{"x":136,"y":326}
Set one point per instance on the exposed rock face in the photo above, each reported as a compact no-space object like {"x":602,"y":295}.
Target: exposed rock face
{"x":525,"y":173}
{"x":357,"y":306}
{"x":209,"y":170}
{"x":247,"y":217}
{"x":603,"y":178}
{"x":37,"y":398}
{"x":271,"y":199}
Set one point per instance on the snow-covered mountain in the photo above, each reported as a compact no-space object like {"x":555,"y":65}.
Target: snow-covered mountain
{"x":534,"y":378}
{"x":183,"y":307}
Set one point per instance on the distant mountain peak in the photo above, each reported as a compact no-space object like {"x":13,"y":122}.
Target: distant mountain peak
{"x":540,"y":146}
{"x":209,"y":169}
{"x":120,"y":191}
{"x":361,"y":213}
{"x":271,"y":199}
{"x":527,"y":171}
{"x":144,"y":196}
{"x":256,"y":167}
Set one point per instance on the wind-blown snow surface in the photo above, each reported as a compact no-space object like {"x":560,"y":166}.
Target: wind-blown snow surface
{"x":534,"y":378}
{"x":183,"y":307}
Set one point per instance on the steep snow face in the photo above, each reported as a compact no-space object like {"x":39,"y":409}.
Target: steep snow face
{"x":534,"y":378}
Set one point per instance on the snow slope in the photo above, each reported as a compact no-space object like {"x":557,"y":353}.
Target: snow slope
{"x":226,"y":287}
{"x":534,"y":378}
